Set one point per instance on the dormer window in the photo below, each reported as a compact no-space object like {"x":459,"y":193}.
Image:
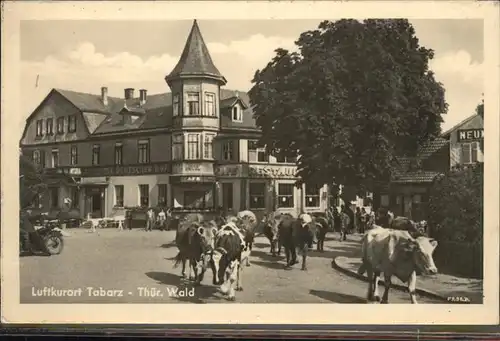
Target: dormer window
{"x":39,"y":128}
{"x":193,"y":104}
{"x":237,"y":114}
{"x":175,"y":103}
{"x":60,"y":125}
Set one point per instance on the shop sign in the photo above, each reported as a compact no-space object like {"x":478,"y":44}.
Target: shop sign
{"x":193,"y":179}
{"x":227,"y":170}
{"x":158,"y":168}
{"x":272,"y":171}
{"x":470,"y":135}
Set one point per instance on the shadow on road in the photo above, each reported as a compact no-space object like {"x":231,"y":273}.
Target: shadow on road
{"x":336,"y":297}
{"x":270,"y":265}
{"x":168,"y":245}
{"x":330,"y":252}
{"x":201,"y":292}
{"x":267,"y":256}
{"x":263,"y":246}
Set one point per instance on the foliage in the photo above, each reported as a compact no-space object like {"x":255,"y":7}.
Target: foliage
{"x":31,"y":181}
{"x":456,"y":205}
{"x":355,"y":95}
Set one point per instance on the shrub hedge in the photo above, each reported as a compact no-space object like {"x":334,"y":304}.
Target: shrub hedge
{"x":456,"y":220}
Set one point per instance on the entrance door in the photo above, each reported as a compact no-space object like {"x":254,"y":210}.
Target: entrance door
{"x":96,"y":205}
{"x":227,"y":196}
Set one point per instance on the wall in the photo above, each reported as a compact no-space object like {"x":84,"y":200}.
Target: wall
{"x":54,"y":106}
{"x":131,"y":189}
{"x":455,"y":146}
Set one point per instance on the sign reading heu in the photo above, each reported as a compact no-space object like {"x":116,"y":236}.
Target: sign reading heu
{"x":470,"y":135}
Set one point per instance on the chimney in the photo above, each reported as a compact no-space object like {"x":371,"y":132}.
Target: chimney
{"x":236,"y":93}
{"x":129,"y":93}
{"x":143,"y":93}
{"x":104,"y":95}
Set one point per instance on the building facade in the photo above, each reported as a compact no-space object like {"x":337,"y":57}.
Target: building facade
{"x":407,"y":192}
{"x":193,"y":148}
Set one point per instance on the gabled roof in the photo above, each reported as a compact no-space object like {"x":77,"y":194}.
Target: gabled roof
{"x":195,"y":59}
{"x":231,"y":101}
{"x":447,"y":133}
{"x":408,"y":169}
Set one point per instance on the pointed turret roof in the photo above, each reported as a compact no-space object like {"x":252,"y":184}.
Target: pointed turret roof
{"x":195,"y":59}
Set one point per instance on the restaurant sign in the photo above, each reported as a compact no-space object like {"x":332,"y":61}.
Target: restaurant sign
{"x":157,"y":168}
{"x":192,"y":179}
{"x":470,"y":135}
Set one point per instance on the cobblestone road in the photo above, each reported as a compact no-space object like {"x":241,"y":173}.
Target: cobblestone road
{"x":129,"y":260}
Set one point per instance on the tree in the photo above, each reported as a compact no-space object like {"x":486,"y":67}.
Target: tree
{"x":31,"y":181}
{"x":356,"y":95}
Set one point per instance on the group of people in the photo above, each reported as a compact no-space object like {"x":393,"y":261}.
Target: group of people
{"x":350,"y":221}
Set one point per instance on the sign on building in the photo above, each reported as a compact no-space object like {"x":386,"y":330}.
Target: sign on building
{"x":470,"y":135}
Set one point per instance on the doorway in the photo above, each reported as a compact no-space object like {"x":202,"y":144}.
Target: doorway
{"x":94,"y":203}
{"x":227,"y":196}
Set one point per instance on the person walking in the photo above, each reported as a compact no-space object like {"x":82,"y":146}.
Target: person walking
{"x":151,"y":219}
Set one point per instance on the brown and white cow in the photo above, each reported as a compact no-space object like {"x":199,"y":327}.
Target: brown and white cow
{"x":194,"y":240}
{"x":395,"y":253}
{"x":270,"y":229}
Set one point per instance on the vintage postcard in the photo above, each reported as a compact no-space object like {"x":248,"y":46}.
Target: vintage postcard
{"x":296,"y":163}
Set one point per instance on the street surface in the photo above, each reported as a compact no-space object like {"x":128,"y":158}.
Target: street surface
{"x":121,"y":263}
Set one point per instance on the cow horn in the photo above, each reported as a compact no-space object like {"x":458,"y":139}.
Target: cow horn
{"x":221,"y":250}
{"x":200,"y":230}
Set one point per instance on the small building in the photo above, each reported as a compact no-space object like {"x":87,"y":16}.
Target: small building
{"x":193,"y":148}
{"x":407,"y":193}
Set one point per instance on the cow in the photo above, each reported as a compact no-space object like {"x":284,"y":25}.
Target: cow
{"x":395,"y":252}
{"x":296,"y":234}
{"x":322,"y":226}
{"x":405,"y":224}
{"x":384,"y":217}
{"x":194,"y":240}
{"x":247,"y":223}
{"x":226,"y":259}
{"x":270,"y":224}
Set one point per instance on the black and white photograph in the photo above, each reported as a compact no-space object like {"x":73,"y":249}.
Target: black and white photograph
{"x":315,"y":160}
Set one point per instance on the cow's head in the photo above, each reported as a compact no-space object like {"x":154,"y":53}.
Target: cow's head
{"x":422,"y":249}
{"x":305,"y":219}
{"x":207,"y":233}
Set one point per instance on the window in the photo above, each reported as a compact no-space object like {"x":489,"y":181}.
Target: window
{"x":39,"y":128}
{"x":75,"y":197}
{"x":37,"y":201}
{"x":194,"y":199}
{"x":257,"y":192}
{"x":54,"y":197}
{"x":256,"y":154}
{"x":71,"y":124}
{"x":49,"y":126}
{"x":55,"y":158}
{"x":193,"y":147}
{"x":384,"y":200}
{"x":286,"y":159}
{"x":209,"y":104}
{"x":118,"y":154}
{"x":176,"y":106}
{"x":143,"y":151}
{"x":60,"y":125}
{"x":144,"y":195}
{"x":237,"y":114}
{"x":470,"y":152}
{"x":208,"y":146}
{"x":177,"y":147}
{"x":119,"y":190}
{"x":37,"y":160}
{"x":96,"y":154}
{"x":227,"y":150}
{"x":193,"y":102}
{"x":74,"y":155}
{"x":285,"y":195}
{"x":162,"y":195}
{"x":312,"y":195}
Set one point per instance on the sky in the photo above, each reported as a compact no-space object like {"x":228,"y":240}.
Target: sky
{"x":83,"y":55}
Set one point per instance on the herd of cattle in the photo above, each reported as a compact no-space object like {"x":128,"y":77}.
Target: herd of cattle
{"x":392,"y":246}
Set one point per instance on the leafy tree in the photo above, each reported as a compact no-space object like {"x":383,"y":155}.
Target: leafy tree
{"x":456,"y":205}
{"x":31,"y":181}
{"x":356,"y":95}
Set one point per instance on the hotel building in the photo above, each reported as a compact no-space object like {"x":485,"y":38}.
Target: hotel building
{"x":193,"y":148}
